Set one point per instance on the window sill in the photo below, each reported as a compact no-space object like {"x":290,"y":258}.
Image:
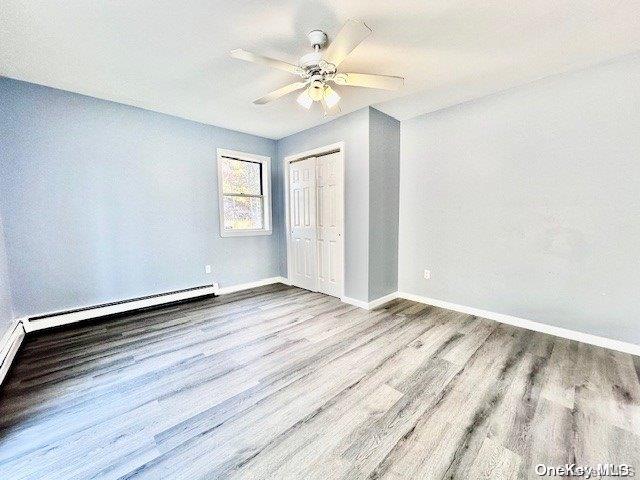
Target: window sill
{"x":244,"y":233}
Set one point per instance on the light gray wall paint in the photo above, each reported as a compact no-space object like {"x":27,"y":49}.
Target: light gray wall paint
{"x":104,"y":202}
{"x":6,"y":308}
{"x":528,"y":202}
{"x":384,"y":184}
{"x":353,"y":129}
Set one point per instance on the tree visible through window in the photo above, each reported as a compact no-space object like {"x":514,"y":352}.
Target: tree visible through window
{"x":243,"y":195}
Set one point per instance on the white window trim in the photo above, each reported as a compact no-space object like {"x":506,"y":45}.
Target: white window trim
{"x":266,"y":193}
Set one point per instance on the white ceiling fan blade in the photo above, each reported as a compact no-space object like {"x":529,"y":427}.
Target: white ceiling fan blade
{"x":384,"y":82}
{"x":281,"y":92}
{"x":349,"y":37}
{"x":271,"y":62}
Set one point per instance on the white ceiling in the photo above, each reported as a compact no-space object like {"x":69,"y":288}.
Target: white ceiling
{"x":172,"y":56}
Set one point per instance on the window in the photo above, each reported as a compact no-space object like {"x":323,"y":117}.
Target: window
{"x":244,"y":193}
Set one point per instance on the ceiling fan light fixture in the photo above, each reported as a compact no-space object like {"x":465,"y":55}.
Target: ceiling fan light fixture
{"x":331,"y":97}
{"x":305,"y":100}
{"x":316,"y":91}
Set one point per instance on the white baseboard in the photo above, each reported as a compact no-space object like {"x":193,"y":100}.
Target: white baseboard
{"x":353,"y":301}
{"x":55,"y":320}
{"x":529,"y":324}
{"x":372,"y":304}
{"x":9,"y":346}
{"x":382,"y":300}
{"x":247,"y":286}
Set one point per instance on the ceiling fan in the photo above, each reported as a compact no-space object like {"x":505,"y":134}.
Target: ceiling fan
{"x":320,"y":68}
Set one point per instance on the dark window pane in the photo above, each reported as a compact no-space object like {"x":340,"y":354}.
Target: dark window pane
{"x":243,"y":213}
{"x":239,"y":176}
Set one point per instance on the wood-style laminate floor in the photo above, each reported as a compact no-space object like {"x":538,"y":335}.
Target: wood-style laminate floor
{"x":281,"y":383}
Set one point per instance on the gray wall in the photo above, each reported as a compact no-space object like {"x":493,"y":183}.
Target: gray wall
{"x":528,"y":202}
{"x":384,"y":184}
{"x":353,"y":129}
{"x":105,"y":202}
{"x":6,"y":309}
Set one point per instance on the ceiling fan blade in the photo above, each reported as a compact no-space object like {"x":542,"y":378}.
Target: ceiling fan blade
{"x":384,"y":82}
{"x":349,"y":37}
{"x":271,"y":62}
{"x":281,"y":92}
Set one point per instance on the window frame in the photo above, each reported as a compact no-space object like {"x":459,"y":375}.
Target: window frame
{"x":266,"y":193}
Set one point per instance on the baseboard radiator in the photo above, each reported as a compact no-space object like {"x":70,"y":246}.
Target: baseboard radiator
{"x":9,"y":346}
{"x":56,"y":319}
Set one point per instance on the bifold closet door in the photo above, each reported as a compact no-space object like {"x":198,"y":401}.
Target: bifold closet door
{"x":302,"y":217}
{"x":329,"y":224}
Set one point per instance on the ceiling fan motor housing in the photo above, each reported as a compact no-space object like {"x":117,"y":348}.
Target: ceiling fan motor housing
{"x":313,"y":62}
{"x":310,"y":60}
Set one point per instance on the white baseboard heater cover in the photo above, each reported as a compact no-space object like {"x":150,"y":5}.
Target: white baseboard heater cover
{"x":55,"y":319}
{"x":9,"y":346}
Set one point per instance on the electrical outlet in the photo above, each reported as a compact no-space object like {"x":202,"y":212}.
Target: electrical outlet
{"x":207,"y":269}
{"x":427,"y":274}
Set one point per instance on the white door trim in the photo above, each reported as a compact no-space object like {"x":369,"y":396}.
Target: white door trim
{"x":339,"y":146}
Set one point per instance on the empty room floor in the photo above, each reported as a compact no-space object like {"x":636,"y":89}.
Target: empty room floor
{"x":279,"y":382}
